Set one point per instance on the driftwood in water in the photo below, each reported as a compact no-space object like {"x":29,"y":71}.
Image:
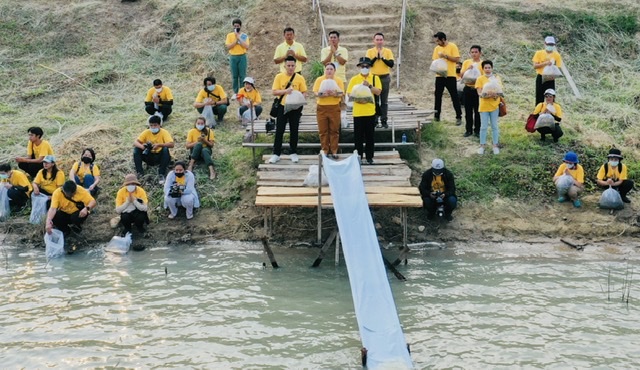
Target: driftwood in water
{"x":393,"y":269}
{"x":269,"y":252}
{"x":572,"y":245}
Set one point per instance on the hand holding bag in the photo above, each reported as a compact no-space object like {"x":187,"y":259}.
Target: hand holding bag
{"x":277,"y":102}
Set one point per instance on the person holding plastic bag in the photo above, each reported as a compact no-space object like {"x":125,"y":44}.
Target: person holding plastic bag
{"x":70,"y":207}
{"x":470,"y":71}
{"x":614,"y":173}
{"x":37,"y":149}
{"x":48,"y":179}
{"x":132,"y":204}
{"x":284,"y":84}
{"x":329,"y":89}
{"x":569,"y":179}
{"x":362,"y":87}
{"x":152,"y":147}
{"x":86,"y":172}
{"x":447,"y":51}
{"x":180,"y":190}
{"x":542,"y":58}
{"x":489,"y":88}
{"x":438,"y":191}
{"x":550,"y":107}
{"x":214,"y":96}
{"x":248,"y":96}
{"x":200,"y":140}
{"x":17,"y":185}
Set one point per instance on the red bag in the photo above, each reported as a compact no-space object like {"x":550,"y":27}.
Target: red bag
{"x":502,"y":108}
{"x":531,"y":123}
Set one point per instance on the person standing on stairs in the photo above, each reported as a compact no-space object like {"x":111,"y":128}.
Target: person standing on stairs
{"x":449,"y":52}
{"x":290,"y":48}
{"x":334,"y":53}
{"x":382,"y":59}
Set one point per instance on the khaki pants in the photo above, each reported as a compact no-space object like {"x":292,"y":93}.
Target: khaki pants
{"x":329,"y":127}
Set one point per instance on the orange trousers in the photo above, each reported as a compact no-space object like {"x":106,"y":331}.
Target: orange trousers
{"x":328,"y":117}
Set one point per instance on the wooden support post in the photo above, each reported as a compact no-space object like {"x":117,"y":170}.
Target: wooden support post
{"x":403,"y":220}
{"x":269,"y":252}
{"x":325,"y":247}
{"x":265,"y":215}
{"x":404,"y":252}
{"x":319,"y":199}
{"x":338,"y":249}
{"x":392,"y":268}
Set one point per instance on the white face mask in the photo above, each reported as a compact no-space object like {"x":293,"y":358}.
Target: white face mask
{"x":570,"y":165}
{"x":613,"y":163}
{"x":159,"y":90}
{"x":199,"y":127}
{"x":550,"y":48}
{"x":131,"y":188}
{"x":154,"y":130}
{"x":211,"y":87}
{"x":364,"y":71}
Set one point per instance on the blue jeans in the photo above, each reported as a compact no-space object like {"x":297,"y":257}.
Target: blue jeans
{"x":485,"y":117}
{"x":238,"y":65}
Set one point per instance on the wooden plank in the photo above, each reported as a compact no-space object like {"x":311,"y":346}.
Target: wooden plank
{"x":309,"y":191}
{"x":297,"y":176}
{"x":374,"y":200}
{"x":374,"y":181}
{"x":383,"y":154}
{"x":317,"y":145}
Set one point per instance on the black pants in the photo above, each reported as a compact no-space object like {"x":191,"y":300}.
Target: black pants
{"x":151,"y":159}
{"x":164,"y":109}
{"x":293,"y":118}
{"x":541,"y":87}
{"x":135,"y":217}
{"x":430,"y":205}
{"x":471,"y":114}
{"x":363,"y":133}
{"x":383,"y":99}
{"x":452,"y":88}
{"x":63,"y":220}
{"x":17,"y":198}
{"x":623,"y":189}
{"x":556,"y":132}
{"x":30,"y":168}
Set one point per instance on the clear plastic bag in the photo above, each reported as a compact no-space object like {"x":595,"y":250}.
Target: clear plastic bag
{"x":54,"y":244}
{"x":545,"y":120}
{"x":312,"y":177}
{"x":611,"y":199}
{"x":460,"y":85}
{"x":247,"y":115}
{"x":344,"y":123}
{"x":294,"y":101}
{"x":440,"y":67}
{"x":551,"y":73}
{"x":563,"y":183}
{"x":119,"y":244}
{"x":471,"y":75}
{"x":209,"y":117}
{"x":492,"y":87}
{"x":5,"y":210}
{"x":329,"y":85}
{"x":551,"y":108}
{"x":38,"y":208}
{"x":361,"y":94}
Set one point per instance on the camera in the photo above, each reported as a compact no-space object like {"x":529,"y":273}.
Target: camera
{"x":147,"y":148}
{"x":440,"y":202}
{"x":174,"y":191}
{"x":270,"y":125}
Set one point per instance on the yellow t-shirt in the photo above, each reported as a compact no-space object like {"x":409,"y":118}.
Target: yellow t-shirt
{"x":543,"y":105}
{"x":379,"y":68}
{"x":364,"y":109}
{"x":123,"y":194}
{"x":162,"y":137}
{"x":237,"y":49}
{"x":542,"y":56}
{"x":61,"y":203}
{"x":577,"y":172}
{"x":38,"y":151}
{"x":82,"y":169}
{"x":451,"y":50}
{"x":328,"y":100}
{"x":487,"y":104}
{"x":437,"y":184}
{"x":165,"y":94}
{"x":194,"y":134}
{"x":615,"y":173}
{"x":49,"y":185}
{"x":253,"y":95}
{"x":282,"y":49}
{"x":217,"y":94}
{"x":282,"y":79}
{"x":468,"y":63}
{"x":19,"y":178}
{"x":341,"y":71}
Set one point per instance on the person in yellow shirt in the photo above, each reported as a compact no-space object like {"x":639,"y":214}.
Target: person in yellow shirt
{"x":132,"y":204}
{"x":159,"y":100}
{"x":283,"y":85}
{"x":488,"y":107}
{"x":449,"y":52}
{"x":200,"y":141}
{"x":70,"y":207}
{"x":152,"y":147}
{"x":48,"y":179}
{"x":336,"y":54}
{"x":37,"y":149}
{"x":574,"y":170}
{"x":381,"y":63}
{"x":470,"y":94}
{"x":86,"y":173}
{"x":214,"y":96}
{"x":328,"y":109}
{"x":249,"y":96}
{"x":542,"y":58}
{"x":17,"y":185}
{"x":237,"y":43}
{"x":551,"y":107}
{"x":290,"y":48}
{"x":614,"y":173}
{"x":364,"y":113}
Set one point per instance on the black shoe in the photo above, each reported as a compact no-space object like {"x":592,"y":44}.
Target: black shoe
{"x":369,"y":161}
{"x":543,"y":138}
{"x":476,"y":134}
{"x":436,"y":119}
{"x":625,"y":199}
{"x":555,"y":139}
{"x":449,"y":218}
{"x":467,"y":134}
{"x":458,"y":121}
{"x":384,"y":125}
{"x":75,"y":229}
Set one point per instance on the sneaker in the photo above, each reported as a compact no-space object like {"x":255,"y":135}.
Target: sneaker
{"x":234,"y":97}
{"x":379,"y":125}
{"x":436,"y":119}
{"x":369,"y":161}
{"x":274,"y":158}
{"x":458,"y":121}
{"x":476,"y":134}
{"x":159,"y":114}
{"x":334,"y":156}
{"x":294,"y":158}
{"x":577,"y":203}
{"x":449,"y":218}
{"x":467,"y":134}
{"x":496,"y":150}
{"x":625,"y":199}
{"x":562,"y":199}
{"x":161,"y":179}
{"x":384,"y":125}
{"x":481,"y":150}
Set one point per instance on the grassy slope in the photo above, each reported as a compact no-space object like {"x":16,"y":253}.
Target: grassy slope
{"x":112,"y":52}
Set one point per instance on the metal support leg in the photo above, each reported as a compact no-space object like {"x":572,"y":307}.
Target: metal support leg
{"x":338,"y":249}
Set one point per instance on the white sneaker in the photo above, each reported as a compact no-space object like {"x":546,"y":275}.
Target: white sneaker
{"x":234,"y":97}
{"x":159,"y":114}
{"x":496,"y":150}
{"x":294,"y":158}
{"x":274,"y":158}
{"x":481,"y":150}
{"x":161,"y":180}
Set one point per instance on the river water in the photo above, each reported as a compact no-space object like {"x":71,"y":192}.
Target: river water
{"x":214,"y":306}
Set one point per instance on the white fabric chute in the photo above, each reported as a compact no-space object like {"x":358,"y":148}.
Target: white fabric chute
{"x":372,"y":299}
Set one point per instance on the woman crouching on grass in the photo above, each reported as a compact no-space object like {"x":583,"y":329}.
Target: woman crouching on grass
{"x":200,"y":141}
{"x":48,"y":179}
{"x":180,"y":190}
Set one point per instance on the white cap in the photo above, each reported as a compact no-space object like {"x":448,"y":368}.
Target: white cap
{"x":437,"y":164}
{"x":550,"y":40}
{"x":550,"y":92}
{"x":249,"y":80}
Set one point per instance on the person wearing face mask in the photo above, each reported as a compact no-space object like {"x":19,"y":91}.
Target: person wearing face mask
{"x":17,"y":185}
{"x":132,"y":205}
{"x":152,"y":147}
{"x":159,"y":100}
{"x":249,"y":96}
{"x":48,"y":179}
{"x":449,"y":52}
{"x":570,"y":167}
{"x":488,"y":107}
{"x":214,"y":95}
{"x":86,"y":173}
{"x":614,"y":173}
{"x":200,"y":141}
{"x":180,"y":190}
{"x":551,"y":107}
{"x":381,"y":63}
{"x":542,"y":58}
{"x":364,"y":114}
{"x":237,"y":43}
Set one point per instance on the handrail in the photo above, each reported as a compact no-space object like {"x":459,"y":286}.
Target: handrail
{"x":324,"y":40}
{"x":403,"y":19}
